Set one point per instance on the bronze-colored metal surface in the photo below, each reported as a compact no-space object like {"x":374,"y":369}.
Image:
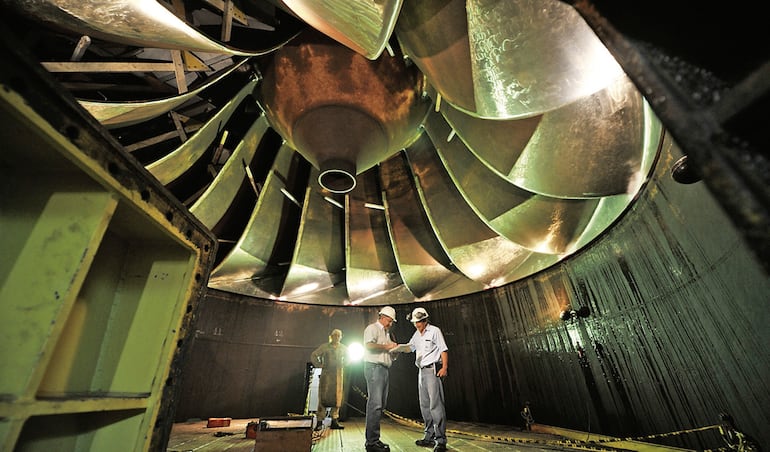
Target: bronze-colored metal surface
{"x":498,"y":143}
{"x":434,"y":34}
{"x":592,"y":147}
{"x":338,"y":109}
{"x":362,"y":26}
{"x":142,"y":23}
{"x":495,"y":140}
{"x":122,"y":114}
{"x":174,"y":164}
{"x":504,"y":60}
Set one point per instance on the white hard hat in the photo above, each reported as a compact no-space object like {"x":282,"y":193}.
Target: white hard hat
{"x":388,"y":311}
{"x":417,"y":315}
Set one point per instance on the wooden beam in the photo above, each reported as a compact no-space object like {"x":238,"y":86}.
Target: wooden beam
{"x":181,"y":81}
{"x":227,"y":21}
{"x":160,"y":138}
{"x":179,"y":126}
{"x":78,"y":66}
{"x":238,"y":15}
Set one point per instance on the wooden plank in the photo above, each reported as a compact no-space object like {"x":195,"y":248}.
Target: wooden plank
{"x":227,"y":21}
{"x":79,"y":66}
{"x":238,"y":15}
{"x":181,"y":81}
{"x":160,"y":138}
{"x":178,"y":125}
{"x":400,"y":435}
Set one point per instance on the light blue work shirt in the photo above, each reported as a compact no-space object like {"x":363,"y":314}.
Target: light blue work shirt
{"x":427,"y":346}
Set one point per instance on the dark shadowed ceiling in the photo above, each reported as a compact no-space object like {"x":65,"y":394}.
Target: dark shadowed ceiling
{"x":358,"y":152}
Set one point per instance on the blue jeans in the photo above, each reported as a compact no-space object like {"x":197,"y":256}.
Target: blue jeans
{"x":431,"y":392}
{"x":377,"y":388}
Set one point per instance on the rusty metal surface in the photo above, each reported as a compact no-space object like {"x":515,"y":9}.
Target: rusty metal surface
{"x":496,"y":140}
{"x":339,"y":109}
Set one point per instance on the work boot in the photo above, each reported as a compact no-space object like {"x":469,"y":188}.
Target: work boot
{"x":425,"y":442}
{"x":379,"y":446}
{"x":439,"y":448}
{"x":336,"y":425}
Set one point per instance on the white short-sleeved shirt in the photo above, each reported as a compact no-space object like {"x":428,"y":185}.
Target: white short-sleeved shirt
{"x":375,"y":333}
{"x":428,"y":346}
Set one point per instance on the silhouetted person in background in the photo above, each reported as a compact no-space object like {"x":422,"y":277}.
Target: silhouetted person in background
{"x":330,"y":357}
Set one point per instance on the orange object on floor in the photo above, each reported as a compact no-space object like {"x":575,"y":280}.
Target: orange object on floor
{"x":251,"y":429}
{"x":219,"y":422}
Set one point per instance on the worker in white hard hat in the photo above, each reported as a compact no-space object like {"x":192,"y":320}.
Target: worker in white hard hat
{"x":377,"y":361}
{"x":432,"y":360}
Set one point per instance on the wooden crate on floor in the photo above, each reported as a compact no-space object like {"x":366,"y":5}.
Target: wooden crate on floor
{"x":287,"y":434}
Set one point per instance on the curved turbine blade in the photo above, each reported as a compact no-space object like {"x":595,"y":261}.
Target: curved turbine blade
{"x":173,"y":165}
{"x":505,"y":59}
{"x":141,"y":23}
{"x":122,"y":114}
{"x":214,"y":202}
{"x":424,"y":265}
{"x":363,"y":26}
